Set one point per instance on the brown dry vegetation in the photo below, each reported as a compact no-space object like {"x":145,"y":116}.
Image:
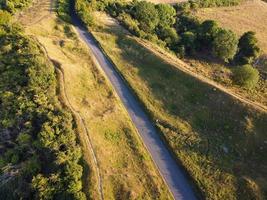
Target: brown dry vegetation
{"x":249,"y":16}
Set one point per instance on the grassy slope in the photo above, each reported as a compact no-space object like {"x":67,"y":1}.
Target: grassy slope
{"x":249,"y":16}
{"x":126,"y":168}
{"x":219,"y":140}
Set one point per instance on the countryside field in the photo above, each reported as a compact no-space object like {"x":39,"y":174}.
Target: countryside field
{"x":249,"y":16}
{"x":217,"y":144}
{"x":65,"y":124}
{"x":126,"y":169}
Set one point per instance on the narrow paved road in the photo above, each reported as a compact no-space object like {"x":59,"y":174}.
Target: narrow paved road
{"x":169,"y":169}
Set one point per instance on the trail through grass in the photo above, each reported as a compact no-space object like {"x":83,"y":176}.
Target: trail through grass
{"x":126,"y":169}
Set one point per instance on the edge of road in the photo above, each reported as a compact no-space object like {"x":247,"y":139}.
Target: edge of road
{"x":192,"y":183}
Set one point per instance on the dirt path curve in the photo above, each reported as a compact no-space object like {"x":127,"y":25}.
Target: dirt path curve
{"x":78,"y":117}
{"x":184,"y":67}
{"x":40,"y":10}
{"x":87,"y":137}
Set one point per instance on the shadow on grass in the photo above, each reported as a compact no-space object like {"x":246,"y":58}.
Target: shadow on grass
{"x":230,"y":135}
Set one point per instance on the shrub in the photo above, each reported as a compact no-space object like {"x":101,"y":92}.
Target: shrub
{"x":188,"y":40}
{"x":186,"y":22}
{"x":206,"y":33}
{"x":5,"y":17}
{"x":224,"y":45}
{"x":248,"y":48}
{"x":166,"y":15}
{"x":246,"y":76}
{"x":168,"y":35}
{"x":13,"y":5}
{"x":147,"y":16}
{"x":84,"y":11}
{"x":130,"y":23}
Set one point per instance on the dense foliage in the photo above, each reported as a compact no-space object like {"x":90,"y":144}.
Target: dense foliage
{"x":39,"y":151}
{"x":248,"y":48}
{"x":246,"y":76}
{"x":84,"y":9}
{"x":194,"y":4}
{"x":147,"y":15}
{"x":13,"y":5}
{"x":224,"y":44}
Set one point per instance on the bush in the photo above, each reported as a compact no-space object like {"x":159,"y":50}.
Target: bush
{"x":186,"y":22}
{"x":166,"y":15}
{"x":130,"y":23}
{"x":168,"y":35}
{"x":248,"y":48}
{"x":224,"y":45}
{"x":13,"y":5}
{"x":206,"y":33}
{"x":188,"y":40}
{"x":63,"y":10}
{"x":246,"y":76}
{"x":147,"y":16}
{"x":84,"y":11}
{"x":5,"y":18}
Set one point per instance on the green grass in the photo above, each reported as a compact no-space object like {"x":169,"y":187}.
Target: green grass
{"x":220,"y":141}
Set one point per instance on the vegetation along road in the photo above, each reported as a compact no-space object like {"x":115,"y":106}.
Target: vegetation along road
{"x":169,"y":169}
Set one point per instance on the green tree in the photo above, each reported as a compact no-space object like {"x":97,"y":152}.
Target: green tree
{"x":147,"y":15}
{"x":187,"y":22}
{"x":246,"y":76}
{"x":224,"y":45}
{"x":168,"y":35}
{"x":207,"y":32}
{"x":188,"y":40}
{"x":248,"y":48}
{"x":166,"y":15}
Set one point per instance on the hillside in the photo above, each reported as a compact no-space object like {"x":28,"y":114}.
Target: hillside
{"x":211,"y":139}
{"x":121,"y":158}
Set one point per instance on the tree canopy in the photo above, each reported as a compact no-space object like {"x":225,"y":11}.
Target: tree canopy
{"x":224,"y":45}
{"x":147,"y":15}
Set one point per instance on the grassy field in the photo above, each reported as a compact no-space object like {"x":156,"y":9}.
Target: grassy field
{"x":126,"y":168}
{"x":220,"y":141}
{"x":249,"y":16}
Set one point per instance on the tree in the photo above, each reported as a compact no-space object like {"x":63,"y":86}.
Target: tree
{"x":246,"y":76}
{"x":188,"y":40}
{"x":186,"y":22}
{"x":248,"y":48}
{"x":147,"y":15}
{"x":207,"y":32}
{"x":166,"y":15}
{"x":169,"y":36}
{"x":224,"y":45}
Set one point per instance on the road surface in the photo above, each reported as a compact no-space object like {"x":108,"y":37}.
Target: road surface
{"x":168,"y":167}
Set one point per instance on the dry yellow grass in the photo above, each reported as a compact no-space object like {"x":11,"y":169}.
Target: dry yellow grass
{"x":249,"y":16}
{"x":126,"y":168}
{"x":196,"y":119}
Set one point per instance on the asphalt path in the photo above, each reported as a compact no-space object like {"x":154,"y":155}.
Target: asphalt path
{"x":169,"y":169}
